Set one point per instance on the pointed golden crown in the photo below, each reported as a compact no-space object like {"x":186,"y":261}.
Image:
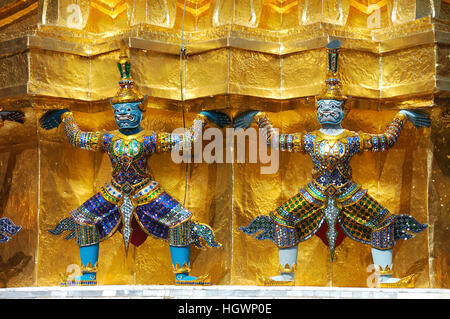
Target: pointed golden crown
{"x":127,"y":92}
{"x":333,"y":84}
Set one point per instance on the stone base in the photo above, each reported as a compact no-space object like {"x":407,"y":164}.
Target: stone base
{"x":218,"y":292}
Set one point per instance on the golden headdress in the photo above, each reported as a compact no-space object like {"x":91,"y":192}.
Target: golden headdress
{"x":333,"y":84}
{"x":127,"y":92}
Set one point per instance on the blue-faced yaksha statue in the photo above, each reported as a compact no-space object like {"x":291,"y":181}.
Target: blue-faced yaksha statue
{"x":332,"y":201}
{"x":7,"y":226}
{"x":132,"y":202}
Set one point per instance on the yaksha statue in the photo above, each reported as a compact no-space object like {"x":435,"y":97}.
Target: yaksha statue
{"x":7,"y":226}
{"x":332,"y":199}
{"x":132,"y":202}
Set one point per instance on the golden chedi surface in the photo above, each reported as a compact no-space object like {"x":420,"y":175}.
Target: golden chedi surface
{"x":260,"y":54}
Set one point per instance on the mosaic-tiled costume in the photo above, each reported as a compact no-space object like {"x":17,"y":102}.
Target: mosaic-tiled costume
{"x":132,"y":202}
{"x":332,"y":205}
{"x":358,"y":214}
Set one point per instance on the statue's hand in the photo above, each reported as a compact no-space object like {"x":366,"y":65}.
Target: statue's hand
{"x":244,"y":119}
{"x":14,"y":116}
{"x":417,"y":118}
{"x":52,"y":118}
{"x":217,"y":117}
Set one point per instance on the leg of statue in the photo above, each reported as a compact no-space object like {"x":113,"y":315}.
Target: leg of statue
{"x":287,"y":258}
{"x":86,"y":237}
{"x":369,"y":222}
{"x":286,"y":226}
{"x":383,"y":263}
{"x":180,"y":239}
{"x":286,"y":239}
{"x":89,"y":260}
{"x":181,"y":263}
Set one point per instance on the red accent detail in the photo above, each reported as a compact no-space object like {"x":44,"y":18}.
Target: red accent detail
{"x":322,"y":234}
{"x":138,"y":236}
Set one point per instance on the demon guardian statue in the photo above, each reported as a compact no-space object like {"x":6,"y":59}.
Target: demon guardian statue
{"x":132,"y":201}
{"x":332,"y":197}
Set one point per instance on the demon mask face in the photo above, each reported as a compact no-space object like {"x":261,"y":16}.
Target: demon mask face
{"x":330,"y":111}
{"x":127,"y":115}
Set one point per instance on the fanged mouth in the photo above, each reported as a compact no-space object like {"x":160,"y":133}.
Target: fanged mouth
{"x":127,"y":117}
{"x":333,"y":115}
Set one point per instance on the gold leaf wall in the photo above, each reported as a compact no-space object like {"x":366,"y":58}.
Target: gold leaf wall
{"x":259,"y":54}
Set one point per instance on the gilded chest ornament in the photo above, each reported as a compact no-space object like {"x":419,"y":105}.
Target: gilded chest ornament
{"x":332,"y":153}
{"x":128,"y":151}
{"x":127,"y":147}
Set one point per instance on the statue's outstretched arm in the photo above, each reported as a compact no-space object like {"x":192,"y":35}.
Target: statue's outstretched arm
{"x":285,"y":142}
{"x":166,"y":142}
{"x":386,"y":140}
{"x":13,"y":116}
{"x":91,"y":141}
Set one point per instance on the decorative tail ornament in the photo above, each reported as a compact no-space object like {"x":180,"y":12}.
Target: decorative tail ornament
{"x":203,"y":233}
{"x":260,"y":223}
{"x":66,"y":224}
{"x":86,"y":237}
{"x":404,"y":225}
{"x":7,"y":229}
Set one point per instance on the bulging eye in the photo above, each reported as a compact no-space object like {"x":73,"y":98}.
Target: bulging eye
{"x":129,"y":110}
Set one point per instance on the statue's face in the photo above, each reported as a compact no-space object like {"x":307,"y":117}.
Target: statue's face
{"x":330,"y":111}
{"x":127,"y":115}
